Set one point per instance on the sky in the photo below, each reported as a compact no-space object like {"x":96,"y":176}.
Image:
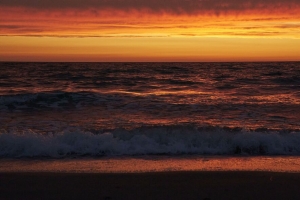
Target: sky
{"x":149,"y":30}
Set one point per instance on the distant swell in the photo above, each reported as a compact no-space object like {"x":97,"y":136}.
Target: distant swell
{"x":48,"y":100}
{"x":169,"y":140}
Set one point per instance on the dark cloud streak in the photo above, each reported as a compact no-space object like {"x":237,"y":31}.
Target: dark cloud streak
{"x":168,"y":6}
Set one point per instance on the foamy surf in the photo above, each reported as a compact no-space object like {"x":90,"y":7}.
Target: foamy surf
{"x":166,"y":140}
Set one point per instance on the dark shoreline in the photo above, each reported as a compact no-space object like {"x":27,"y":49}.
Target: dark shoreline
{"x":151,"y":185}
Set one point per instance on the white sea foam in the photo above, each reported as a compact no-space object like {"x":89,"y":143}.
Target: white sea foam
{"x":173,"y":140}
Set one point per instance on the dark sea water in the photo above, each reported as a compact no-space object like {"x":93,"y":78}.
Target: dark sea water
{"x":102,"y":109}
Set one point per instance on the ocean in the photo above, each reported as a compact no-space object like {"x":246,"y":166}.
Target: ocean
{"x":105,"y":110}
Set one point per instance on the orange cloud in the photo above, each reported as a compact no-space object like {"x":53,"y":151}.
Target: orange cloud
{"x":110,"y":23}
{"x":137,"y":30}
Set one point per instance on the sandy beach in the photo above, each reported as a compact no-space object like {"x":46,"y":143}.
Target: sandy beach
{"x":158,"y":185}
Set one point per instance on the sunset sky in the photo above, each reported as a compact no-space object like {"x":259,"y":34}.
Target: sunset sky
{"x":149,"y":30}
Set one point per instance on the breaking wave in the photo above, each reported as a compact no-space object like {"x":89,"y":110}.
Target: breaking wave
{"x":167,"y":140}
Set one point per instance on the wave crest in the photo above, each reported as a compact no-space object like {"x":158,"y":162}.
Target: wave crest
{"x":173,"y":140}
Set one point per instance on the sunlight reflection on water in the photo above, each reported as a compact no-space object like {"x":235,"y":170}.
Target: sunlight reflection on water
{"x":141,"y":164}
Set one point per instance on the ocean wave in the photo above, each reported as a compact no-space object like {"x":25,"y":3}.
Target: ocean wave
{"x":54,"y":100}
{"x":166,"y":140}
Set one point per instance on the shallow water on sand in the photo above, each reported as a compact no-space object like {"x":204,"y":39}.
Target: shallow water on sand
{"x":142,"y":164}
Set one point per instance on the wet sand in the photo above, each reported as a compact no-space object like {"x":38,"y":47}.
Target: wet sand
{"x":152,"y":185}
